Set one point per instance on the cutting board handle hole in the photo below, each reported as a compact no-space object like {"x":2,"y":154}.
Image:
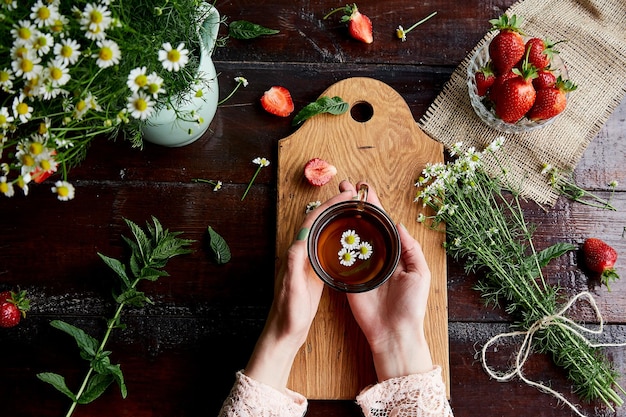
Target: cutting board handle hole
{"x":362,"y":111}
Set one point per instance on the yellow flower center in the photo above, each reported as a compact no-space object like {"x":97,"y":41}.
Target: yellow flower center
{"x":35,"y":148}
{"x":27,"y":65}
{"x":56,"y":73}
{"x":95,"y":17}
{"x":45,"y":165}
{"x":22,"y":109}
{"x":43,"y":13}
{"x":141,"y":80}
{"x":21,"y":52}
{"x":63,"y":191}
{"x":66,"y":51}
{"x":42,"y":41}
{"x":350,"y":240}
{"x":106,"y":54}
{"x":4,"y":187}
{"x":57,"y":26}
{"x":28,"y":160}
{"x":43,"y":129}
{"x":24,"y":33}
{"x":173,"y":55}
{"x":3,"y":119}
{"x":81,"y":105}
{"x":141,"y":104}
{"x":4,"y":76}
{"x":20,"y":182}
{"x":153,"y":88}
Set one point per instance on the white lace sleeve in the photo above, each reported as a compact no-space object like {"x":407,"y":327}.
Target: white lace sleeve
{"x":251,"y":398}
{"x":418,"y":395}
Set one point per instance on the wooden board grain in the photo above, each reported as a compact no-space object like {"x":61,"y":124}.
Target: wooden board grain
{"x":377,"y":141}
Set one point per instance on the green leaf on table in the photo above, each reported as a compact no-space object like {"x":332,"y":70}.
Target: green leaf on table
{"x":545,"y":256}
{"x":242,"y":29}
{"x":221,"y":251}
{"x":324,"y":104}
{"x":58,"y":382}
{"x":87,"y":344}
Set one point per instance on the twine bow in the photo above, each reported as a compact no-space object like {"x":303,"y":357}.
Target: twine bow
{"x":557,"y":319}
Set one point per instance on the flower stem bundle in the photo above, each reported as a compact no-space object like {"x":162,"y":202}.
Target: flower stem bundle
{"x":486,"y":228}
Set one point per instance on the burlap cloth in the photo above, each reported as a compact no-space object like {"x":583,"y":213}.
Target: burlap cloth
{"x":595,"y":57}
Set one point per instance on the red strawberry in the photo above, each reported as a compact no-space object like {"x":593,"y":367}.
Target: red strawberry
{"x":359,"y":25}
{"x":498,"y":83}
{"x":600,"y":258}
{"x":545,"y":79}
{"x":540,"y":52}
{"x":319,"y":172}
{"x":277,"y":100}
{"x":485,"y":78}
{"x":13,"y":306}
{"x":517,"y":95}
{"x":507,"y":47}
{"x":551,"y":101}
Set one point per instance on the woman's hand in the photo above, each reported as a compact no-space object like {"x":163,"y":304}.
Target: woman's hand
{"x":297,"y":293}
{"x":392,"y":315}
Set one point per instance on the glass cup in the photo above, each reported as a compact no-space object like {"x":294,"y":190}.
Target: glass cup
{"x":354,"y":245}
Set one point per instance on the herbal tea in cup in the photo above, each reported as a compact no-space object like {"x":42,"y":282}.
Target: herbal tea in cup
{"x":353,"y":245}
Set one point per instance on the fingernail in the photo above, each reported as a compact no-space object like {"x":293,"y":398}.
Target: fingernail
{"x":303,"y":233}
{"x":403,"y":226}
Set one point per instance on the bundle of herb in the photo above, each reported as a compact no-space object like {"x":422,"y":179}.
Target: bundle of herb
{"x":150,"y":252}
{"x":485,"y":226}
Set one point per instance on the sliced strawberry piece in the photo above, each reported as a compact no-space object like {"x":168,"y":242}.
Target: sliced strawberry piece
{"x":319,"y":172}
{"x":360,"y":27}
{"x":277,"y":100}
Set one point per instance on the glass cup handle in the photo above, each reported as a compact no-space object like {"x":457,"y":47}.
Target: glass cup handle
{"x":362,"y":196}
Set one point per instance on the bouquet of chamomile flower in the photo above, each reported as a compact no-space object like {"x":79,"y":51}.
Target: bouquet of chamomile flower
{"x":72,"y":71}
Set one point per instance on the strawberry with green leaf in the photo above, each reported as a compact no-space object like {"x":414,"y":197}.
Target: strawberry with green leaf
{"x":485,"y":78}
{"x":600,"y":258}
{"x":13,"y":307}
{"x":551,"y":101}
{"x":507,"y":48}
{"x":517,"y":95}
{"x":359,"y":25}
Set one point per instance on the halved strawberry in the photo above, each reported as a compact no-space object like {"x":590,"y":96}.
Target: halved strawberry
{"x":359,"y":25}
{"x":277,"y":100}
{"x":319,"y":172}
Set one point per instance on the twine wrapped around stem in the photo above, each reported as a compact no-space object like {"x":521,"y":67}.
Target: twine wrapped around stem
{"x":557,"y":319}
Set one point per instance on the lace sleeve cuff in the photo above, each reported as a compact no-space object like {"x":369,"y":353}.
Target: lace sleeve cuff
{"x":249,"y":397}
{"x":418,"y":395}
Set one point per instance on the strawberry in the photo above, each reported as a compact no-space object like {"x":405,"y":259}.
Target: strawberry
{"x":551,"y":101}
{"x":497,"y":85}
{"x":277,"y":100}
{"x":517,"y":95}
{"x":359,"y":25}
{"x":13,"y":306}
{"x":540,"y":52}
{"x":545,"y":79}
{"x":507,"y":47}
{"x":600,"y":258}
{"x":319,"y":172}
{"x":485,"y":78}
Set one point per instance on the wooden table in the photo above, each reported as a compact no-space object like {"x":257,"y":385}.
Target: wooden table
{"x":179,"y":356}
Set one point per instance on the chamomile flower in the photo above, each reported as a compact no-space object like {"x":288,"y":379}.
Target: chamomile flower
{"x":21,"y":109}
{"x":24,"y":32}
{"x":85,"y":104}
{"x":140,"y":105}
{"x":173,"y":59}
{"x":155,"y":85}
{"x":350,"y":240}
{"x":57,"y":72}
{"x":5,"y":118}
{"x":43,"y":13}
{"x":108,"y":55}
{"x":43,"y":43}
{"x":6,"y":79}
{"x":421,"y":218}
{"x":27,"y":67}
{"x":9,"y":4}
{"x":241,"y":80}
{"x":68,"y":50}
{"x":95,"y":18}
{"x":137,"y":79}
{"x":364,"y":250}
{"x":312,"y":205}
{"x":64,"y":190}
{"x":347,"y":257}
{"x":261,"y":161}
{"x":6,"y":187}
{"x":59,"y":24}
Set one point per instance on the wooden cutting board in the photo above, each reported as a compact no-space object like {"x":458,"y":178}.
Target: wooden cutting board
{"x":378,"y":141}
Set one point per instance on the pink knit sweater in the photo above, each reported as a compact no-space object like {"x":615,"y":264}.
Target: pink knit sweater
{"x":419,"y":395}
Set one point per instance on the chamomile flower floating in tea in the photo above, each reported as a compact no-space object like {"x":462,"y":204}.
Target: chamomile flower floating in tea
{"x":352,"y":248}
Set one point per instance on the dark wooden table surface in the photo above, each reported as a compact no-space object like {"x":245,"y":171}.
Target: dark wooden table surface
{"x":179,"y":356}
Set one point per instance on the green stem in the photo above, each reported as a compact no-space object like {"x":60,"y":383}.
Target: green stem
{"x":251,"y":181}
{"x":420,"y":22}
{"x":231,"y":93}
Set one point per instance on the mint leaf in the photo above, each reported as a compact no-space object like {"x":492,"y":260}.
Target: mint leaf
{"x":221,"y":251}
{"x":324,"y":104}
{"x":242,"y":29}
{"x":58,"y":382}
{"x":87,"y":344}
{"x":96,"y":386}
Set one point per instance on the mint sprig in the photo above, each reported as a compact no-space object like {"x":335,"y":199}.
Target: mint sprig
{"x":150,"y":252}
{"x":242,"y":29}
{"x":324,"y":104}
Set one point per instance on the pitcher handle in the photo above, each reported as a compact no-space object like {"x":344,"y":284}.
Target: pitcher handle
{"x":209,"y":27}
